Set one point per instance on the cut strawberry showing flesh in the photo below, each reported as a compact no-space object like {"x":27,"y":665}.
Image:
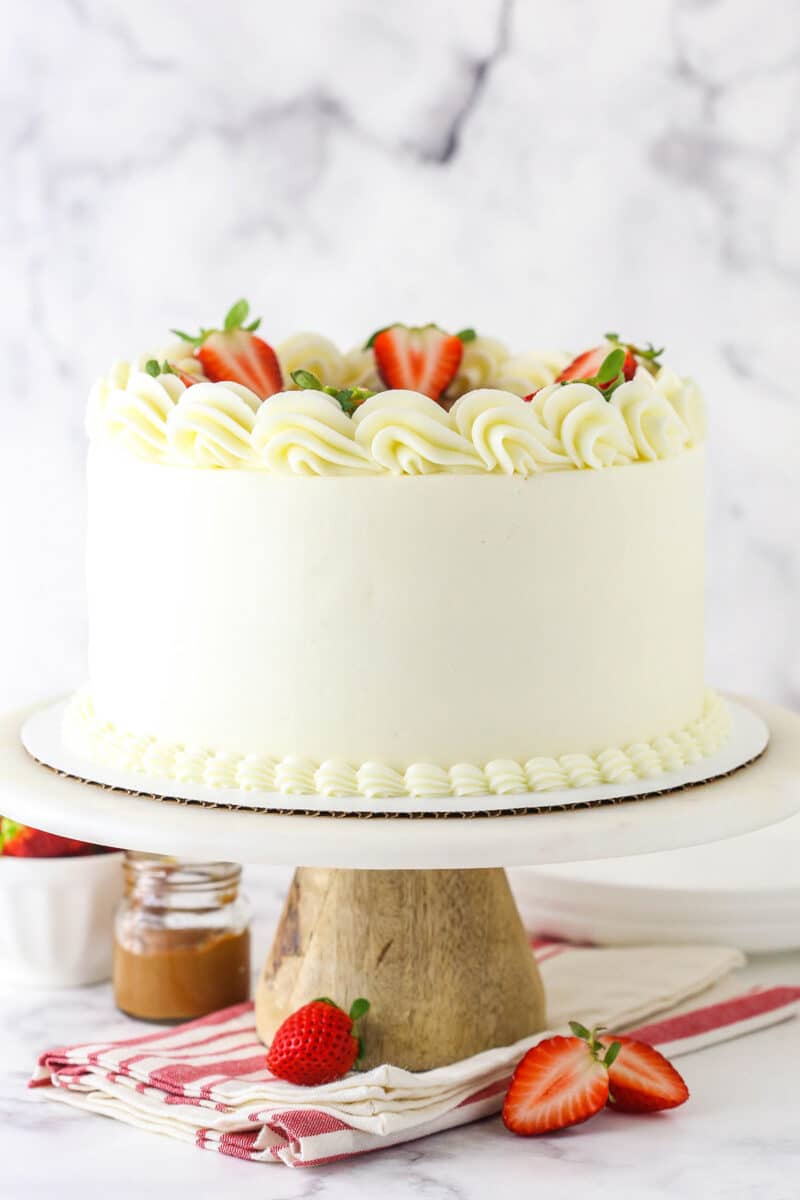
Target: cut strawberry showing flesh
{"x":559,"y":1082}
{"x":423,"y":359}
{"x":234,"y":354}
{"x":241,"y":357}
{"x":641,"y":1079}
{"x":588,"y":364}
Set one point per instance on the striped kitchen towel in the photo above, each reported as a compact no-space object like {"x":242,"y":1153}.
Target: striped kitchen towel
{"x":206,"y":1082}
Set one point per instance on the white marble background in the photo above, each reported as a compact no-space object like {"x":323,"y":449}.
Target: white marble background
{"x":541,"y":169}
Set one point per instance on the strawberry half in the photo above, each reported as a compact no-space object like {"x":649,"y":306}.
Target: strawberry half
{"x":587,"y":365}
{"x":642,"y":1080}
{"x":423,"y":359}
{"x":234,"y":354}
{"x":316,"y":1044}
{"x":562,"y":1081}
{"x":610,"y":364}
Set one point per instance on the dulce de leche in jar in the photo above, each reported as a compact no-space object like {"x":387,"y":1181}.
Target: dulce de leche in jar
{"x":181,"y":939}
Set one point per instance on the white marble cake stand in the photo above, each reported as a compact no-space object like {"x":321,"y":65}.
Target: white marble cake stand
{"x":391,"y":908}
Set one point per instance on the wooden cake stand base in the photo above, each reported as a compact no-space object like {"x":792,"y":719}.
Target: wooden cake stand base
{"x":441,"y":955}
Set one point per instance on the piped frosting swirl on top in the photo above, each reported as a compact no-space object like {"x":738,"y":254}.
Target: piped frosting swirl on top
{"x":487,"y":430}
{"x":482,"y":425}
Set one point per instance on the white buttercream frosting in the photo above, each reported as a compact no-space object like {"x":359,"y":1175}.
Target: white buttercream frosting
{"x":213,"y":426}
{"x":653,"y":422}
{"x":507,"y":433}
{"x":89,"y":734}
{"x":407,"y":433}
{"x":315,"y":353}
{"x":488,"y":428}
{"x":359,"y":370}
{"x":136,"y":414}
{"x":307,"y":433}
{"x":591,"y":430}
{"x":526,"y":373}
{"x":481,"y":363}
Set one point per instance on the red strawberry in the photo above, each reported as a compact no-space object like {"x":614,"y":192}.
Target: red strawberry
{"x":588,"y":364}
{"x":21,"y":841}
{"x":423,"y":359}
{"x":560,"y":1082}
{"x":234,"y":354}
{"x":316,"y":1044}
{"x":642,"y":1080}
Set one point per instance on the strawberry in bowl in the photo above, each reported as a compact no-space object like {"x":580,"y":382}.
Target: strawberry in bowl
{"x":58,"y":896}
{"x":22,"y":841}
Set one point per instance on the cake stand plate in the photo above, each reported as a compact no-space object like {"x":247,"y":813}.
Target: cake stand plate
{"x":42,"y":738}
{"x":438,"y":948}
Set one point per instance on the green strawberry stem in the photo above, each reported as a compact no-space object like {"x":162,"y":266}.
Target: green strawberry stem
{"x":235,"y":319}
{"x":347,"y":398}
{"x":595,"y":1045}
{"x":359,"y":1008}
{"x":611,"y":373}
{"x":647,"y":353}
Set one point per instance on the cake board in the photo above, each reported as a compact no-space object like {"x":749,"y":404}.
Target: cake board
{"x":416,"y":914}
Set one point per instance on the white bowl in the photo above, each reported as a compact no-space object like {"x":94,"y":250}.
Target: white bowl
{"x":56,"y":919}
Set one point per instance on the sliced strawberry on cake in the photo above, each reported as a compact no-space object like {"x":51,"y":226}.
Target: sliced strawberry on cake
{"x":626,"y":358}
{"x":420,"y":358}
{"x":608,"y":365}
{"x":234,"y":354}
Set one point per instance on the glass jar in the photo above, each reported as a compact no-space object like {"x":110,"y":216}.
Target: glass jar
{"x":181,"y":939}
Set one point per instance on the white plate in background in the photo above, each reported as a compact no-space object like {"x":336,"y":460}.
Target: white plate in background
{"x":743,"y":892}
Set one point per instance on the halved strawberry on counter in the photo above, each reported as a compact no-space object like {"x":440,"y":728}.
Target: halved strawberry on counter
{"x":564,"y":1081}
{"x":21,"y":841}
{"x":641,"y":1079}
{"x":421,"y":358}
{"x":560,"y":1082}
{"x":234,"y":354}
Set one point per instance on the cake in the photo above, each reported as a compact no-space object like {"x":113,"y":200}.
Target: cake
{"x":425,"y":567}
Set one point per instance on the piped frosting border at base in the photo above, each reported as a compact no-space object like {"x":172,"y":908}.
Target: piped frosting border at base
{"x":89,"y":734}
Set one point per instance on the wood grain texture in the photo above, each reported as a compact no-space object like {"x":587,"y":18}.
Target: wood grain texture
{"x":441,"y":956}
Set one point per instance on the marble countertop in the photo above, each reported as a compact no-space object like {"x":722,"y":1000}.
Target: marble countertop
{"x":736,"y":1139}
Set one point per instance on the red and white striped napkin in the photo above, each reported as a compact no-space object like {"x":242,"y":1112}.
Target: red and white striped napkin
{"x":206,"y":1082}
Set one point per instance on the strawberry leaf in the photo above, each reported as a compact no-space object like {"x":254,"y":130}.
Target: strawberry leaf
{"x":305,"y":379}
{"x":324,"y":1000}
{"x":611,"y":366}
{"x":580,"y":1030}
{"x":187,"y":337}
{"x":345,"y":398}
{"x":466,"y":335}
{"x":359,"y":1008}
{"x":611,"y":1053}
{"x":236,"y":315}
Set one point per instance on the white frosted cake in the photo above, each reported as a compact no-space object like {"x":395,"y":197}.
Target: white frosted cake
{"x":426,"y":567}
